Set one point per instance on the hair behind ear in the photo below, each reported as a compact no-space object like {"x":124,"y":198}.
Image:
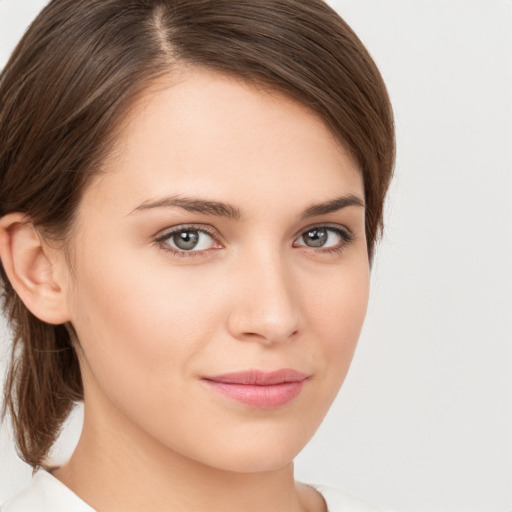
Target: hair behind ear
{"x":43,"y":381}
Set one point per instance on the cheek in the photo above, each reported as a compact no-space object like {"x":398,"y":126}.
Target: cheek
{"x":335,"y":315}
{"x":137,"y":324}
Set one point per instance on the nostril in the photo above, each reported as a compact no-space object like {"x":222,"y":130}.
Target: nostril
{"x":268,"y":334}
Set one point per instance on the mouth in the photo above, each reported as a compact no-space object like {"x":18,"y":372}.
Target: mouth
{"x":259,"y":389}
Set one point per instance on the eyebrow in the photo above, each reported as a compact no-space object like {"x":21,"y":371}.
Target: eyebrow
{"x":332,"y":206}
{"x":191,"y":204}
{"x":219,"y":209}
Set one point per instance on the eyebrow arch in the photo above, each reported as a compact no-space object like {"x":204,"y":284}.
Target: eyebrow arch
{"x":219,"y":209}
{"x":191,"y":204}
{"x":332,"y":206}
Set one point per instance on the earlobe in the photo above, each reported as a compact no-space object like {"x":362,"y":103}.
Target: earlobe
{"x":30,"y":271}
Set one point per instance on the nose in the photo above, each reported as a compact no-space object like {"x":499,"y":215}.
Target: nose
{"x":265,"y":307}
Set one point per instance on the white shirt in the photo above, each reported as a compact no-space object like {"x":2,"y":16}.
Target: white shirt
{"x":47,"y":494}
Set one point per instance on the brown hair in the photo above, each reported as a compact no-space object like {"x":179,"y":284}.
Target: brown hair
{"x":78,"y":69}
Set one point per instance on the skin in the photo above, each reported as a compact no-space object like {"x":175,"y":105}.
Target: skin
{"x":151,"y":323}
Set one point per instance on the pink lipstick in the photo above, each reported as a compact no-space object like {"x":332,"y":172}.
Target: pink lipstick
{"x":259,"y":389}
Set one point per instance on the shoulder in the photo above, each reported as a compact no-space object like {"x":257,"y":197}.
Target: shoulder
{"x":338,"y":501}
{"x":46,"y":494}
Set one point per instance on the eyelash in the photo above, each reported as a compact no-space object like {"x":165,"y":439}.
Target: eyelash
{"x":346,"y":236}
{"x":161,"y":241}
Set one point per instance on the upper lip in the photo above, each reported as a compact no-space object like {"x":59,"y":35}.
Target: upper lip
{"x":260,"y":377}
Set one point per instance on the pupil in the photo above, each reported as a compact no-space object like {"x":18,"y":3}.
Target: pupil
{"x":186,"y":240}
{"x":316,"y":237}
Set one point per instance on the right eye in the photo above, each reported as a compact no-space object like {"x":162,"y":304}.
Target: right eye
{"x":188,"y":240}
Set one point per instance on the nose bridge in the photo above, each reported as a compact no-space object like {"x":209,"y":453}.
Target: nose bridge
{"x":265,"y":304}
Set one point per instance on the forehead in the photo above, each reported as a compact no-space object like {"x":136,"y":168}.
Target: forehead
{"x":204,"y":133}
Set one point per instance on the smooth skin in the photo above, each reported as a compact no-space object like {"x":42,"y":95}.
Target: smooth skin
{"x":168,"y":286}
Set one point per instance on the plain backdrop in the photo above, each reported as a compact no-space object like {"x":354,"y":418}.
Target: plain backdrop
{"x":424,"y":419}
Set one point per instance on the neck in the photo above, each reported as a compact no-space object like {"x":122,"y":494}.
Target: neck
{"x":119,"y":468}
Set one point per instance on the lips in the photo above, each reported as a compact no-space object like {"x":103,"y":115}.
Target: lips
{"x":259,"y":389}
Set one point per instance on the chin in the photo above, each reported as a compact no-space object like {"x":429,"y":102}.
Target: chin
{"x":255,"y":452}
{"x":255,"y":461}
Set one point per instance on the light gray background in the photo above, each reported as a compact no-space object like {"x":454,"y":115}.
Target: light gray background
{"x":424,"y":421}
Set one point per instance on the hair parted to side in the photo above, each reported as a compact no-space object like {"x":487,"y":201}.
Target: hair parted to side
{"x":78,"y":69}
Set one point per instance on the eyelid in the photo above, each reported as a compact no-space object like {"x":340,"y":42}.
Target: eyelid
{"x":162,"y":236}
{"x":346,"y":232}
{"x":160,"y":239}
{"x":346,"y":235}
{"x":204,"y":228}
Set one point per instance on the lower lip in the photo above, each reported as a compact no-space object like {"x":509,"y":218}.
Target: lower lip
{"x":260,"y":397}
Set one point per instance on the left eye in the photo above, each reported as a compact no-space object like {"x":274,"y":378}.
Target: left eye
{"x":189,"y":239}
{"x":322,"y":237}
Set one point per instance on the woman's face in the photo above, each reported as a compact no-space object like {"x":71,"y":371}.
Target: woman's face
{"x":220,"y":256}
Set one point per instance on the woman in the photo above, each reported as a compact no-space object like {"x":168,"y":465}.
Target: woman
{"x":190,"y":194}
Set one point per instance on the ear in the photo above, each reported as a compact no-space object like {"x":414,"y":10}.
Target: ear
{"x":34,"y":270}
